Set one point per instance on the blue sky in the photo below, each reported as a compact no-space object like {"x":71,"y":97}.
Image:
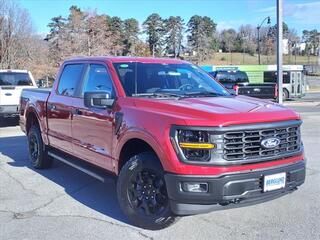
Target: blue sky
{"x":300,"y":14}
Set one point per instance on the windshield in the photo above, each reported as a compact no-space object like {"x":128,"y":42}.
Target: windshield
{"x":15,"y":79}
{"x":156,"y":79}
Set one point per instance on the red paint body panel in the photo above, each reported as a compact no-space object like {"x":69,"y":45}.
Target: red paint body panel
{"x":59,"y":122}
{"x":91,"y":136}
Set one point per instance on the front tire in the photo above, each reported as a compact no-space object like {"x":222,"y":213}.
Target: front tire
{"x":142,"y":193}
{"x":38,"y":155}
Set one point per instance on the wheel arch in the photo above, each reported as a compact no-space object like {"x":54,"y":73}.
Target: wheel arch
{"x":32,"y":119}
{"x":136,"y":142}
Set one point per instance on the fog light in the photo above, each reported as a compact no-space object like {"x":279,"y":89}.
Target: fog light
{"x":194,"y":187}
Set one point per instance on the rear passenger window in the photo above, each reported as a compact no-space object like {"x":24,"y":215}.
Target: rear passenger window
{"x":69,"y":79}
{"x":97,"y":79}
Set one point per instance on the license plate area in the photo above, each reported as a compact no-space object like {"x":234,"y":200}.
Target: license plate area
{"x":274,"y":182}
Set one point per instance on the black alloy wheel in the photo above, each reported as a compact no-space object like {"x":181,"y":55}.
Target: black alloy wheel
{"x":38,"y":154}
{"x":147,"y":192}
{"x":142,"y":193}
{"x":33,"y":148}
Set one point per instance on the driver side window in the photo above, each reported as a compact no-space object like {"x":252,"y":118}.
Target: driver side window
{"x":97,"y":79}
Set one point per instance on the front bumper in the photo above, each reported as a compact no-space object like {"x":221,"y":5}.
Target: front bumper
{"x":230,"y":190}
{"x":9,"y":110}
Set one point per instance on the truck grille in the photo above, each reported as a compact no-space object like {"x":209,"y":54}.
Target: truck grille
{"x":246,"y":145}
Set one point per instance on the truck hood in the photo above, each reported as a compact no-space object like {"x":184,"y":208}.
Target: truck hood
{"x":218,"y":111}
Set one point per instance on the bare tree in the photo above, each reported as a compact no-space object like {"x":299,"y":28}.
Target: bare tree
{"x":248,"y":36}
{"x":16,"y":32}
{"x":98,"y":34}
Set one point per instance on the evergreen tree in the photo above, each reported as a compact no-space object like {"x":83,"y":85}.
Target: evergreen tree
{"x":174,"y":27}
{"x":154,"y":28}
{"x":201,"y":36}
{"x":131,"y":36}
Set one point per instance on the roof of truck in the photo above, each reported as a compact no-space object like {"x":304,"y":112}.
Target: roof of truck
{"x":129,"y":59}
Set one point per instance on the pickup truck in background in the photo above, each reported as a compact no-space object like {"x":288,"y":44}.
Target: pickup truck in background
{"x":178,"y":142}
{"x":237,"y":81}
{"x":12,"y":82}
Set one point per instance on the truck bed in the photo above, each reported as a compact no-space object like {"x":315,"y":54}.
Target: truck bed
{"x":42,"y":90}
{"x":34,"y":100}
{"x":262,"y":90}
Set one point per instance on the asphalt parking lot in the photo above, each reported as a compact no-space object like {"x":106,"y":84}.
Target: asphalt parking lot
{"x":63,"y":203}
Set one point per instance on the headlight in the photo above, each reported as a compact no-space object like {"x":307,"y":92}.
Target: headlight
{"x":193,"y":145}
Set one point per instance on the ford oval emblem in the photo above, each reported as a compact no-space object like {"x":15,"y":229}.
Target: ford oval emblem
{"x":270,"y":142}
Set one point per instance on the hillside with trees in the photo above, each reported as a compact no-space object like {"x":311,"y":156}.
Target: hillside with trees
{"x":87,"y":33}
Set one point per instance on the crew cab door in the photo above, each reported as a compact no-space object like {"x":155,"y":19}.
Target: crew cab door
{"x":59,"y":107}
{"x":92,"y":128}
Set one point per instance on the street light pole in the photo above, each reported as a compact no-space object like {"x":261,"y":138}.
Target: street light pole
{"x":279,"y":50}
{"x":319,"y":51}
{"x":258,"y":28}
{"x":259,"y":44}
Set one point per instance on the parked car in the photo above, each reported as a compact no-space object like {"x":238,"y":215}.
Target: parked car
{"x":238,"y":82}
{"x":11,"y":84}
{"x":178,"y":142}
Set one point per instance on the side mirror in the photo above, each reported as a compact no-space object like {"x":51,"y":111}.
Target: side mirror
{"x":101,"y":99}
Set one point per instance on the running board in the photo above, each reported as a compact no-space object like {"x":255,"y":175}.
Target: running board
{"x":84,"y":167}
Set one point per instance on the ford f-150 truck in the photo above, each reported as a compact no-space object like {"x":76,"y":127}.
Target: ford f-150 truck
{"x":178,"y":142}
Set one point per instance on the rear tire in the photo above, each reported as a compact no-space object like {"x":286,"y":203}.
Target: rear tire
{"x":38,"y":154}
{"x":142,"y":193}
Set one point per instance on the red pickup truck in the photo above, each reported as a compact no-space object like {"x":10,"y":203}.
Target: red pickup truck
{"x":178,"y":142}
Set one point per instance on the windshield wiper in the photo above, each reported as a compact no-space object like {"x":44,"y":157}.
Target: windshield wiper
{"x":179,"y":96}
{"x":203,"y":94}
{"x":157,"y":95}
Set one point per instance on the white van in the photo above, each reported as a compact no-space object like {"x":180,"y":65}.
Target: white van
{"x":11,"y":84}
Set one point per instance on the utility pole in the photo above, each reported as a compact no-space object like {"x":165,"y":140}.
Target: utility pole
{"x":243,"y":55}
{"x":319,"y":50}
{"x":296,"y":50}
{"x":258,"y":28}
{"x":259,"y":45}
{"x":279,"y":50}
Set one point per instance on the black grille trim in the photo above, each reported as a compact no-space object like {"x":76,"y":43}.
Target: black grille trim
{"x":245,"y":145}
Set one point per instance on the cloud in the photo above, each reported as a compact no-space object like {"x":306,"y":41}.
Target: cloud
{"x":304,"y":13}
{"x":266,"y":10}
{"x":307,"y":13}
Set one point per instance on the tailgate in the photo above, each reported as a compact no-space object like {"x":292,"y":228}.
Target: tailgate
{"x":10,"y":95}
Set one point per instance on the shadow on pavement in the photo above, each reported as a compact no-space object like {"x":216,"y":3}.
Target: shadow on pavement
{"x":9,"y":122}
{"x":83,"y":188}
